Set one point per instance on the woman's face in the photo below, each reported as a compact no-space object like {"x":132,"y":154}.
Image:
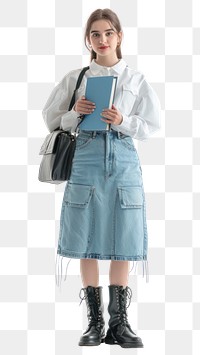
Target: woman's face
{"x":103,"y":38}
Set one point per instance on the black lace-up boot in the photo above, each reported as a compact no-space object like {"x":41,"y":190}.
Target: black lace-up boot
{"x":95,"y":333}
{"x":119,"y":331}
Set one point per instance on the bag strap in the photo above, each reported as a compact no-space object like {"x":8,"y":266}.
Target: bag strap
{"x":80,"y":77}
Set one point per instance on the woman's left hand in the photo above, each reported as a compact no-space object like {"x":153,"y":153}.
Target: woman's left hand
{"x":112,"y":115}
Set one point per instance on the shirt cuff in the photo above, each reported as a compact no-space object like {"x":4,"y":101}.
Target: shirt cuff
{"x":128,"y":125}
{"x":69,"y":120}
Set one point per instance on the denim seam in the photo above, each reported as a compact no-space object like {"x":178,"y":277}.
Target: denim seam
{"x":92,"y":222}
{"x":127,"y":145}
{"x":67,"y":253}
{"x":78,"y":147}
{"x":80,"y":205}
{"x":61,"y":225}
{"x":106,"y":161}
{"x":145,"y":239}
{"x":112,"y":158}
{"x":126,"y":205}
{"x":114,"y":223}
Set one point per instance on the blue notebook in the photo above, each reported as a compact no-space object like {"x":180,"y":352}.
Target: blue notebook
{"x":101,"y":91}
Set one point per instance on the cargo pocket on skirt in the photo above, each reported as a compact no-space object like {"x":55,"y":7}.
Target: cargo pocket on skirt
{"x":129,"y":222}
{"x":77,"y":218}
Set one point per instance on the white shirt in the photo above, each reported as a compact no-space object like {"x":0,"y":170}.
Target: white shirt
{"x":134,"y":98}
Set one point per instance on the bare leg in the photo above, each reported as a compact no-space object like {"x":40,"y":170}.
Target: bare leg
{"x":118,"y":273}
{"x":89,"y":269}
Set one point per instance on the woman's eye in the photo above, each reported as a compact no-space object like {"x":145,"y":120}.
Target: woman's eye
{"x":97,"y":34}
{"x":109,"y":33}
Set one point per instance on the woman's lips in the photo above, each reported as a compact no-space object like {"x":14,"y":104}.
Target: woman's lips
{"x":103,"y":47}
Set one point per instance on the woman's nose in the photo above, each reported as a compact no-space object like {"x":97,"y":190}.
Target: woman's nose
{"x":102,"y":39}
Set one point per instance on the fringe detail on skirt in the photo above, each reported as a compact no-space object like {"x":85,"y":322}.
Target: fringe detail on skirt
{"x":59,"y":269}
{"x":145,"y":268}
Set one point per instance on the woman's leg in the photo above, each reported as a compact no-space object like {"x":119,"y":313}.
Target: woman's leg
{"x":118,"y":273}
{"x":89,"y":269}
{"x":119,"y":292}
{"x":93,"y":295}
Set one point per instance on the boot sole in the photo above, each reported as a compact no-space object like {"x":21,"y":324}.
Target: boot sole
{"x":92,"y":344}
{"x":111,"y":341}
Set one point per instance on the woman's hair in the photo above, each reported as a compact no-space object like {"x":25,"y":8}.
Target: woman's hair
{"x":103,"y":14}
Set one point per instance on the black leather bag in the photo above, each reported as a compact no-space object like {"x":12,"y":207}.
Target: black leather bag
{"x":64,"y":157}
{"x":58,"y":150}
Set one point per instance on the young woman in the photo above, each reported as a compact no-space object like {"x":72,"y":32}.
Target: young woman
{"x":103,"y":213}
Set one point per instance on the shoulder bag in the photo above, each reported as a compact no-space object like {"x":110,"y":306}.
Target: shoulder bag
{"x":58,"y":149}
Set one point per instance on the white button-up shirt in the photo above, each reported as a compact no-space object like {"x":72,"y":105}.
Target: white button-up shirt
{"x":134,"y":98}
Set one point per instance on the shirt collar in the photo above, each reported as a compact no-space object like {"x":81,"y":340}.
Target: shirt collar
{"x":118,"y":68}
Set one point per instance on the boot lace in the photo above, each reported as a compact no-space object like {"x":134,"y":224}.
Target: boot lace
{"x":124,"y":295}
{"x":95,"y":313}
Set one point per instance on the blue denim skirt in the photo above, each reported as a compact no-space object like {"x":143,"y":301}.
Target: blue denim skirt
{"x":103,"y":214}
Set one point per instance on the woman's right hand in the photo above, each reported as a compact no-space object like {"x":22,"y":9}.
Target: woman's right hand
{"x":84,"y":106}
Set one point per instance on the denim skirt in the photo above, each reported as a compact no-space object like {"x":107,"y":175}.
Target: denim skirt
{"x":103,"y":214}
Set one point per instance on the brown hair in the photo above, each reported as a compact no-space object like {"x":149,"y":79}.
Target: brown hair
{"x":103,"y":14}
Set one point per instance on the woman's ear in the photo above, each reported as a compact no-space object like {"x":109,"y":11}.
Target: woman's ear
{"x":88,"y":43}
{"x":120,"y":37}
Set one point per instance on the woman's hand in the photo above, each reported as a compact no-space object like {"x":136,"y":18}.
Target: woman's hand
{"x":84,"y":106}
{"x":112,"y":115}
